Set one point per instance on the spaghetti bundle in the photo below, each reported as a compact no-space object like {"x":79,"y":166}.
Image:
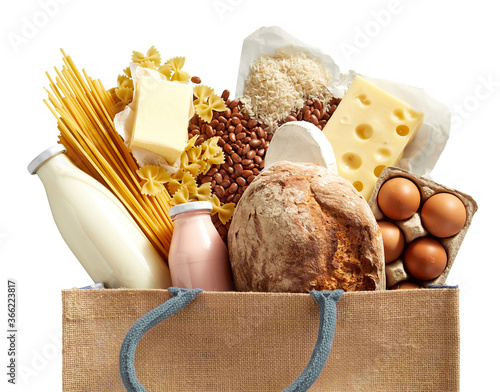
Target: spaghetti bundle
{"x":85,"y":110}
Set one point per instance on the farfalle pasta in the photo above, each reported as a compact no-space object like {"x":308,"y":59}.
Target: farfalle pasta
{"x":181,"y":185}
{"x":154,"y":179}
{"x":225,"y":212}
{"x":176,"y":64}
{"x":152,"y":55}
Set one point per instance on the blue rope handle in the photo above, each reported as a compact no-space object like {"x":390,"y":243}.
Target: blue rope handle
{"x":327,"y":301}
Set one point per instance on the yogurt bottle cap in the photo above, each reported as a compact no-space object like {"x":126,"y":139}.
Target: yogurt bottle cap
{"x":191,"y":206}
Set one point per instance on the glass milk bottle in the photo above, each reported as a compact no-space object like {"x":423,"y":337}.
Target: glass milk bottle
{"x":198,"y":258}
{"x":96,"y":226}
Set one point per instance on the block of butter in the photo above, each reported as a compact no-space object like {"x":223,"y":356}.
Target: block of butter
{"x":368,"y":132}
{"x":162,"y":117}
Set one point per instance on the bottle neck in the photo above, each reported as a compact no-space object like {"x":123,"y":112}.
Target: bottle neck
{"x":54,"y":167}
{"x":201,"y":214}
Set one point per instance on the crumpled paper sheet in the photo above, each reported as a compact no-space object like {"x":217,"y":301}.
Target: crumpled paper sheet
{"x":420,"y":155}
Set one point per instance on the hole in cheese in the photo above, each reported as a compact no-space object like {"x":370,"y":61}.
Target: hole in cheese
{"x":378,"y":170}
{"x":363,"y":100}
{"x":351,"y":161}
{"x":358,"y":185}
{"x":382,"y":154}
{"x":402,"y":130}
{"x":399,"y":114}
{"x":364,"y":131}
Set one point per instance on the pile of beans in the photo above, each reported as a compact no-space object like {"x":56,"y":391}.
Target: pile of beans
{"x":314,"y":112}
{"x":244,"y":142}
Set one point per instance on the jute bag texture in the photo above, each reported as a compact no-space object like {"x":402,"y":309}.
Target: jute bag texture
{"x":405,"y":340}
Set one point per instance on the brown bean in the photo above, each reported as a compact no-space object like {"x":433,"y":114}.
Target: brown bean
{"x":241,"y":136}
{"x":290,"y":118}
{"x":218,"y":178}
{"x":228,"y":148}
{"x":225,"y":95}
{"x":255,"y":143}
{"x":219,"y":191}
{"x":256,"y":171}
{"x":196,"y":79}
{"x":222,"y":231}
{"x":209,"y":131}
{"x":236,"y":198}
{"x":246,"y":162}
{"x":238,"y":169}
{"x":235,"y":157}
{"x":317,"y":104}
{"x":238,"y":129}
{"x":317,"y":114}
{"x":205,"y":179}
{"x":233,"y":104}
{"x":225,"y":184}
{"x":299,"y":116}
{"x":314,"y":119}
{"x":251,"y":154}
{"x":212,"y":171}
{"x":233,"y":188}
{"x":246,"y":173}
{"x":257,"y":159}
{"x":232,"y":137}
{"x":229,"y":199}
{"x":309,"y":102}
{"x":245,"y":150}
{"x":250,"y":179}
{"x":241,"y":181}
{"x":261,"y":152}
{"x":227,"y":112}
{"x":307,"y":114}
{"x":260,"y":132}
{"x":252,"y":123}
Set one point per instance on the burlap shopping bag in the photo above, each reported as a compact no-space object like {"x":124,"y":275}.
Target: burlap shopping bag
{"x":405,"y":340}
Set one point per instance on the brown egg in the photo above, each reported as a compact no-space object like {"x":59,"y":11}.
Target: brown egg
{"x":393,"y":239}
{"x":398,"y":198}
{"x":406,"y":286}
{"x":443,"y":215}
{"x":425,"y":258}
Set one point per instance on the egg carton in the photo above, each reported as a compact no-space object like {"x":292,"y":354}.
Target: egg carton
{"x":412,"y":227}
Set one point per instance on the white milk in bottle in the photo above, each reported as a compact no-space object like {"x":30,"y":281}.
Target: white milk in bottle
{"x":96,"y":226}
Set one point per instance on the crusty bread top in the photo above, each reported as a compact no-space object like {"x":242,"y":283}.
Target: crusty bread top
{"x":299,"y":227}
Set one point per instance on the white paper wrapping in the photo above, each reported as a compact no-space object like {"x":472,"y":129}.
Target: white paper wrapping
{"x":420,"y":155}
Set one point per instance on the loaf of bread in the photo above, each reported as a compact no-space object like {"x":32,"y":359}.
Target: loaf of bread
{"x":299,"y":227}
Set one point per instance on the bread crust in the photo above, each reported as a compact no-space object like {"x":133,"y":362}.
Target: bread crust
{"x":298,"y":227}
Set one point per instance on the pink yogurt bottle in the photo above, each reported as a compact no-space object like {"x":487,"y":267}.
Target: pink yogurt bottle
{"x":198,"y":258}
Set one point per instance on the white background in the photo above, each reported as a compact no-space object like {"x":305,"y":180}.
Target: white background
{"x":449,"y":48}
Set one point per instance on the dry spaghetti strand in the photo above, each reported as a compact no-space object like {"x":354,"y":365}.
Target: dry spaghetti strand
{"x":84,"y":110}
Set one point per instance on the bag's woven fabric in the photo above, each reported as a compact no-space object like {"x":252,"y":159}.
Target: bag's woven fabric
{"x":406,"y":340}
